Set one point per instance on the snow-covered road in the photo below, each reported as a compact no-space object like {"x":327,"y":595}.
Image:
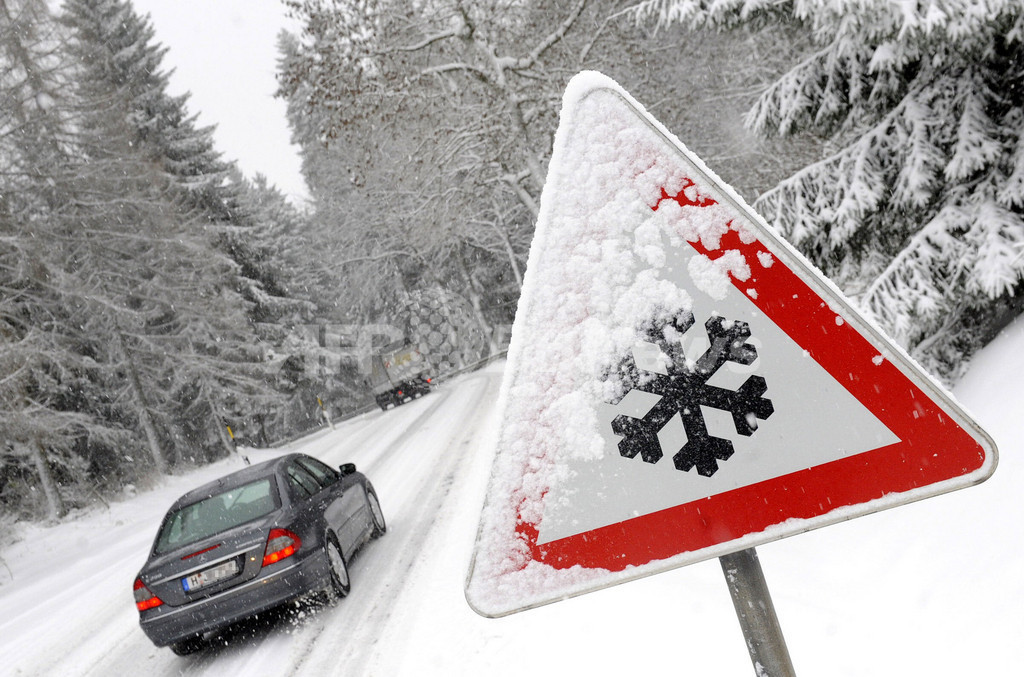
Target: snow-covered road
{"x":931,"y":588}
{"x":72,"y":584}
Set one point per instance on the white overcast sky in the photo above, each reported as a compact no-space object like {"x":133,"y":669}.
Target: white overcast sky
{"x":225,"y":53}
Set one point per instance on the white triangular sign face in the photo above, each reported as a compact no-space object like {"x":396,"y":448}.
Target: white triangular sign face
{"x":681,"y":384}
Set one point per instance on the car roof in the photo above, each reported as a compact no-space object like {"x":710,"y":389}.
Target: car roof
{"x":235,"y":479}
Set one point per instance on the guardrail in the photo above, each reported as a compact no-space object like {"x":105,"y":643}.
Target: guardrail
{"x":479,"y":364}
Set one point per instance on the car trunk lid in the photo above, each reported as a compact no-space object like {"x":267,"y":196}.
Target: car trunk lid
{"x":209,"y":566}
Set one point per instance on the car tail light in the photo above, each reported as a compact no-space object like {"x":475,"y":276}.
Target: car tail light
{"x":280,"y":544}
{"x":144,"y":599}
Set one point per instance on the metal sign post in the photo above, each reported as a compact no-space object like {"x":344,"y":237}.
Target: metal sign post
{"x":756,"y":613}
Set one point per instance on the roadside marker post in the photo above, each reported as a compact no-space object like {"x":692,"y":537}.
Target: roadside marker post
{"x":234,"y":444}
{"x":682,"y":384}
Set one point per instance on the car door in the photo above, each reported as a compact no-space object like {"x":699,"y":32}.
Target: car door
{"x":343,"y":506}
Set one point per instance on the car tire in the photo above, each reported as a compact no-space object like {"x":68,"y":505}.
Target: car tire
{"x":376,"y":514}
{"x":338,"y":567}
{"x":188,"y":646}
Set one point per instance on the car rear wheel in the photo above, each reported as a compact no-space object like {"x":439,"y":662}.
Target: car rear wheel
{"x":188,"y":646}
{"x":340,"y":582}
{"x":379,"y":526}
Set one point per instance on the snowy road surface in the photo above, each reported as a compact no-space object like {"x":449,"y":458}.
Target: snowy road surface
{"x":932,"y":588}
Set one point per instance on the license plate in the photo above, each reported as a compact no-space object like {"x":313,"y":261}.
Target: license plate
{"x":210,"y":576}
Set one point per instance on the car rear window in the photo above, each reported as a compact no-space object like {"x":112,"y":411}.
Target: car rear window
{"x":217,"y":513}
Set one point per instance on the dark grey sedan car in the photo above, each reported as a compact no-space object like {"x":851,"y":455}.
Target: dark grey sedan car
{"x":252,"y":540}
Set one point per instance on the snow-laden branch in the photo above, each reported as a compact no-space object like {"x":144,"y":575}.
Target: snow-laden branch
{"x":375,"y":257}
{"x":425,"y":42}
{"x":585,"y":52}
{"x":479,"y":73}
{"x":546,"y":43}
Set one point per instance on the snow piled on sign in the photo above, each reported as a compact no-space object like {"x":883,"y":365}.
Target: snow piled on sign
{"x":594,"y":277}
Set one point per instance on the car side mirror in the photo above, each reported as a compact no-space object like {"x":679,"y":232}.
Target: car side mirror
{"x":347,"y":468}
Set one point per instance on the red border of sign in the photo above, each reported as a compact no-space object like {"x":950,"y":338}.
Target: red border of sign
{"x":932,"y":448}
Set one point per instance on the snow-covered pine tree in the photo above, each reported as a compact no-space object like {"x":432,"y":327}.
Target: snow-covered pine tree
{"x":916,"y":211}
{"x":35,"y":452}
{"x":123,"y":53}
{"x":181,"y":311}
{"x":307,"y":294}
{"x":118,"y":46}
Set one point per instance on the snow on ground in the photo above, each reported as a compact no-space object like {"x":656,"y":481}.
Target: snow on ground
{"x":932,"y":588}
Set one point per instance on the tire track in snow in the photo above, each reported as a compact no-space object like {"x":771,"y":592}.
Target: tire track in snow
{"x":403,"y":421}
{"x":393,"y":448}
{"x":385,"y":569}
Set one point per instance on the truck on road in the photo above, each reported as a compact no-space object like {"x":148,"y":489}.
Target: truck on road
{"x":399,"y":373}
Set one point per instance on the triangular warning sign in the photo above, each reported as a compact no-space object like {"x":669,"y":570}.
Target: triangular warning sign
{"x":681,"y":383}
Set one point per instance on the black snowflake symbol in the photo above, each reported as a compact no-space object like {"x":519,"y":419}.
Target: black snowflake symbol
{"x":684,"y":390}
